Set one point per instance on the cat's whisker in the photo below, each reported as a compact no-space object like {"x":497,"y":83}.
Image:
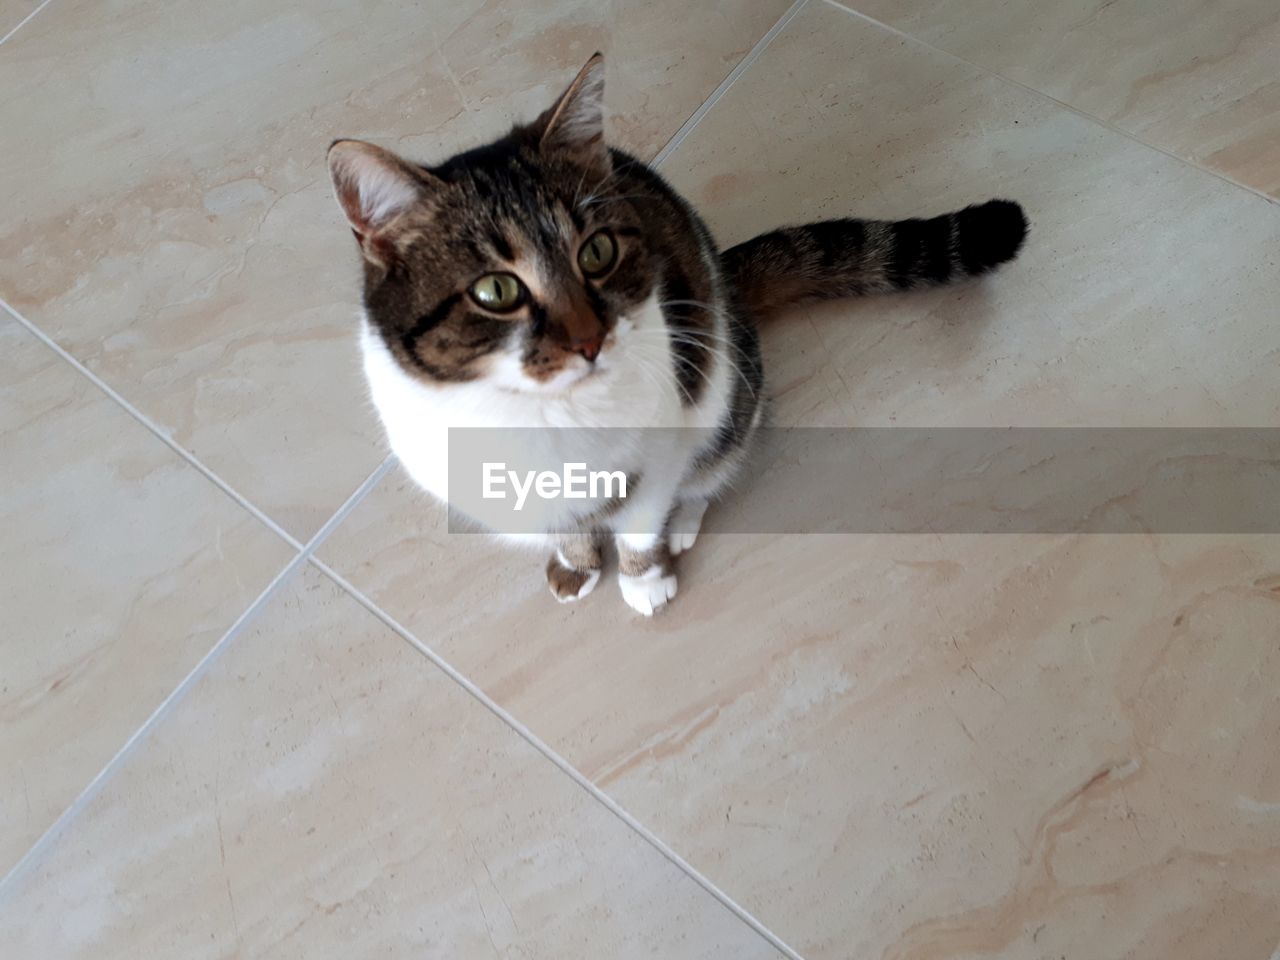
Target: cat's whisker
{"x":750,"y":388}
{"x":713,"y":336}
{"x":651,"y":362}
{"x":699,"y":339}
{"x":680,"y":336}
{"x":649,"y":367}
{"x":689,"y":303}
{"x":689,"y":364}
{"x":679,"y":385}
{"x":577,"y":191}
{"x":617,"y":171}
{"x":596,"y":201}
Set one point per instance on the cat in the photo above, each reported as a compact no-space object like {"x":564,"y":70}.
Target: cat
{"x":549,"y":280}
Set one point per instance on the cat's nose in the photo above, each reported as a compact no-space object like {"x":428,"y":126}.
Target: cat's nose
{"x":590,"y":349}
{"x":581,"y":328}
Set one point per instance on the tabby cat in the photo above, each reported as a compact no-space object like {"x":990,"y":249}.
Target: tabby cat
{"x":547,"y":280}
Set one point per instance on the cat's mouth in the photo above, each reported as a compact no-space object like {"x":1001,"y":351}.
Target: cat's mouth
{"x":582,"y":372}
{"x":583,"y":375}
{"x":592,"y":372}
{"x":563,"y":384}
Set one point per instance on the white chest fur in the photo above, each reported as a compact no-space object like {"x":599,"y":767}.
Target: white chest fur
{"x":634,"y":388}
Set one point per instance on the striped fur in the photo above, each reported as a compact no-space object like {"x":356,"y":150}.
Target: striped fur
{"x":850,"y":258}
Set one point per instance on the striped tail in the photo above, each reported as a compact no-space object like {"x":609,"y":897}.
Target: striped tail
{"x":849,"y":258}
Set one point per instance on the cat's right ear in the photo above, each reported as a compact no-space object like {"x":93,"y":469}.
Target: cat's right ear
{"x":575,"y":122}
{"x":377,"y":191}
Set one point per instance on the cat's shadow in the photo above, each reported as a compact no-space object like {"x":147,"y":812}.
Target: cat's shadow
{"x":885,"y":340}
{"x":942,"y":324}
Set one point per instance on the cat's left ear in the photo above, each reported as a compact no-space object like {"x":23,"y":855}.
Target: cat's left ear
{"x":575,"y":122}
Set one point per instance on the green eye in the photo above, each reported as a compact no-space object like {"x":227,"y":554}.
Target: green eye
{"x":597,"y":254}
{"x":498,"y":292}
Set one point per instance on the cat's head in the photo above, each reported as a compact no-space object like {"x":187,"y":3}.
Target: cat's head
{"x":512,"y":263}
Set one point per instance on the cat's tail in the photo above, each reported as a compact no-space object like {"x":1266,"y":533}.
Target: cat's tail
{"x":849,"y":258}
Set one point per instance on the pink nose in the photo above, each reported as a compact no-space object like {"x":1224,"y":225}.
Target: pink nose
{"x":590,"y":349}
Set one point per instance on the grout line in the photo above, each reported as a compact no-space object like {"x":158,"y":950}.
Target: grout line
{"x":306,"y":555}
{"x":538,"y":744}
{"x":561,"y":763}
{"x":299,"y":560}
{"x":353,"y":501}
{"x":360,"y":492}
{"x":1106,"y":124}
{"x":112,"y":765}
{"x":151,"y":425}
{"x":687,"y":127}
{"x":23,"y":22}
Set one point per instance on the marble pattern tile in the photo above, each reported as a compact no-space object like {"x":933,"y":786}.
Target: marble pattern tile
{"x":324,"y":790}
{"x":13,"y":12}
{"x":899,"y":747}
{"x":882,"y":742}
{"x":1140,"y":299}
{"x":915,"y":747}
{"x":176,"y":232}
{"x":122,"y":567}
{"x":1195,"y":78}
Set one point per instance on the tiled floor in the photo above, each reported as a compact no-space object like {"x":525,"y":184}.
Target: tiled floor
{"x":255,"y":702}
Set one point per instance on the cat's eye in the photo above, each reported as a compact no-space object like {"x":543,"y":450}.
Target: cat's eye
{"x":598,"y":254}
{"x":498,"y":292}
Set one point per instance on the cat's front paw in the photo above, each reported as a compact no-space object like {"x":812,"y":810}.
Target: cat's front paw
{"x":648,"y":592}
{"x":567,"y":584}
{"x":685,"y":524}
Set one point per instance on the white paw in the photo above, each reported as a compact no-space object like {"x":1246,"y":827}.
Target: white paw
{"x":685,"y":526}
{"x":648,"y":592}
{"x":678,"y":541}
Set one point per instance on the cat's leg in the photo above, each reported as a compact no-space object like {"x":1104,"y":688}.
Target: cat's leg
{"x":574,"y":568}
{"x":646,"y":573}
{"x":686,"y":521}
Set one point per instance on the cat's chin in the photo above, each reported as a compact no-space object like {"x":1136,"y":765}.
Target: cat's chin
{"x":562,"y":384}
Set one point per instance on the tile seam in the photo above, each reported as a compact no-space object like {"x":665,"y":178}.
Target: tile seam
{"x":739,"y":69}
{"x":1094,"y":118}
{"x":23,"y":22}
{"x":152,"y":427}
{"x":562,"y":764}
{"x":42,"y":843}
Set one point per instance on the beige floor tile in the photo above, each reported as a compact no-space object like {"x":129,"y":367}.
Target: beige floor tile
{"x":1141,"y":299}
{"x":13,"y":12}
{"x":175,"y":228}
{"x":325,"y":791}
{"x":1010,"y":747}
{"x":1192,"y":77}
{"x":1067,"y":745}
{"x":122,"y":567}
